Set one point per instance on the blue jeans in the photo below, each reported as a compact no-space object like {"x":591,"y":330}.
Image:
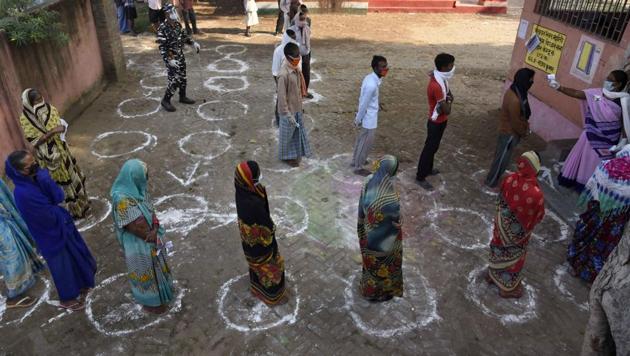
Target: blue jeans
{"x":123,"y":25}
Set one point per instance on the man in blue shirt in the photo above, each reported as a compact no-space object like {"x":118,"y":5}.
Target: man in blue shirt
{"x":367,"y":115}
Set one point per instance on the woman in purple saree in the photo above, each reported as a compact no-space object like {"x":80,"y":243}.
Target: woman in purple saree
{"x":604,"y":111}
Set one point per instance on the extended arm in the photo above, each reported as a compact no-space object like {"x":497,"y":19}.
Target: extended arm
{"x":574,"y":93}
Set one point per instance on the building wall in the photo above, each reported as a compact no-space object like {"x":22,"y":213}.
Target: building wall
{"x":555,"y":116}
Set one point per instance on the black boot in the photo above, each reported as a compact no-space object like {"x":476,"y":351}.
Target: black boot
{"x":182,"y":97}
{"x":166,"y":104}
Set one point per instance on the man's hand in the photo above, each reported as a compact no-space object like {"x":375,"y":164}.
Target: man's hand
{"x":59,"y":129}
{"x":173,"y":63}
{"x":292,"y":120}
{"x":196,"y":46}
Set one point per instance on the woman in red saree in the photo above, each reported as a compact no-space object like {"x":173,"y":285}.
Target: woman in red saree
{"x":520,"y":207}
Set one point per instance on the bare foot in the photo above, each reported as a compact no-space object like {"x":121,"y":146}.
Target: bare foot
{"x":72,"y":305}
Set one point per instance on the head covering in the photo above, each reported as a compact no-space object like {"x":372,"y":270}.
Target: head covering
{"x":38,"y":115}
{"x":246,"y":177}
{"x":521,"y":192}
{"x":252,"y":206}
{"x":521,"y":85}
{"x":610,"y":185}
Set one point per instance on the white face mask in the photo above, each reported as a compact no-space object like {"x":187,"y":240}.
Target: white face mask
{"x":173,"y":16}
{"x":448,"y":75}
{"x":609,"y":86}
{"x":259,"y":181}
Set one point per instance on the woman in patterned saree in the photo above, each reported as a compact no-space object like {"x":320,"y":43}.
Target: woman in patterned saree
{"x":380,"y":234}
{"x":607,"y":198}
{"x":42,"y":127}
{"x":140,"y":235}
{"x":520,"y":207}
{"x":258,"y":236}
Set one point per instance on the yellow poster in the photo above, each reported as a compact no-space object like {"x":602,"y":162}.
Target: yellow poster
{"x":546,"y":56}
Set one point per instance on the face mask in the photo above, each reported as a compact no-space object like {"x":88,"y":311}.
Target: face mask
{"x":259,"y":180}
{"x":609,"y":86}
{"x":173,"y":16}
{"x":301,"y":24}
{"x":448,"y":75}
{"x":32,"y":170}
{"x":384,"y":72}
{"x":294,"y":61}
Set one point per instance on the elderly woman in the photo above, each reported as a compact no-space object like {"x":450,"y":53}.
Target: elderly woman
{"x":380,"y":234}
{"x":19,"y":263}
{"x":604,"y":119}
{"x":607,"y":201}
{"x":37,"y":198}
{"x":520,"y":207}
{"x":140,"y":235}
{"x":43,"y":128}
{"x":258,"y":236}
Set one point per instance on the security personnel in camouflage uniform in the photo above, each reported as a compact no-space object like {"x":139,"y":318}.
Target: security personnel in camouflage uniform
{"x":171,"y":39}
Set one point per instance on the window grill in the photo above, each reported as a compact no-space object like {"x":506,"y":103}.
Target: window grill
{"x":605,"y":18}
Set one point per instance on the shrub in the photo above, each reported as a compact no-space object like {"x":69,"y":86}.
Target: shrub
{"x":26,"y":24}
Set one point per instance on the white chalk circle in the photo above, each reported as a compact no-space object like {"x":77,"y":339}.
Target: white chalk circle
{"x":508,"y":311}
{"x":476,"y":236}
{"x":138,"y":107}
{"x":181,"y":213}
{"x":553,"y":218}
{"x":563,"y":284}
{"x":231,"y":49}
{"x":218,"y":83}
{"x":221,"y":215}
{"x":477,"y":178}
{"x":228,"y":65}
{"x":206,"y":145}
{"x":101,"y":208}
{"x":316,"y":97}
{"x":113,"y":141}
{"x":44,"y":297}
{"x":407,"y":178}
{"x":115,"y":317}
{"x":154,"y":82}
{"x":415,"y":310}
{"x":340,"y":169}
{"x":289,"y":215}
{"x":241,"y":311}
{"x":217,"y":110}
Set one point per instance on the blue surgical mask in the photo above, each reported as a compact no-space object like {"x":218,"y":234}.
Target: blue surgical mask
{"x":609,"y":86}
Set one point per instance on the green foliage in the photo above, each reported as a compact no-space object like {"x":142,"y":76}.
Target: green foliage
{"x":26,"y":24}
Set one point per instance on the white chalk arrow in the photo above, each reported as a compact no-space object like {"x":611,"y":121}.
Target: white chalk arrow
{"x":191,"y":177}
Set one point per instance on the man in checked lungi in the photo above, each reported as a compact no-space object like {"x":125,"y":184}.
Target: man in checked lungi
{"x":293,"y":143}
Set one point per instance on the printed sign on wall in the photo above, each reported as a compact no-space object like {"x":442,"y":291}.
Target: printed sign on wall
{"x":587,"y":58}
{"x":546,"y":56}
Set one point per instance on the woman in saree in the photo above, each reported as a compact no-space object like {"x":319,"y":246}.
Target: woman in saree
{"x":258,"y":236}
{"x":607,"y":201}
{"x":43,"y":129}
{"x":520,"y":207}
{"x":140,"y":235}
{"x":605,"y":111}
{"x":380,"y":234}
{"x":38,"y":199}
{"x":19,"y":263}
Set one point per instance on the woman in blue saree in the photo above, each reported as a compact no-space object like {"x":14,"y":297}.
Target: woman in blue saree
{"x":19,"y":262}
{"x":380,"y":234}
{"x":140,"y":235}
{"x":38,"y":200}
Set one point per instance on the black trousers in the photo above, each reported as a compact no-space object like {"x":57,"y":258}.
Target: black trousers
{"x":280,"y":20}
{"x":306,"y":69}
{"x":431,"y":146}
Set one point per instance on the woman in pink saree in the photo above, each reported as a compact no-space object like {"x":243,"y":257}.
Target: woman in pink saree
{"x":605,"y":110}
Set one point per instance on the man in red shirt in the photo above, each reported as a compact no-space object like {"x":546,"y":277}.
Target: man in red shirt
{"x":440,"y":101}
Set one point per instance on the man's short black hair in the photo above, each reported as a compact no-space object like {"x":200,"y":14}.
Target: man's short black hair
{"x":290,"y":33}
{"x":303,"y":8}
{"x":292,"y":50}
{"x":443,"y":60}
{"x":376,"y":60}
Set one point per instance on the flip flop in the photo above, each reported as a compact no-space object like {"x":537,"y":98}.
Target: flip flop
{"x":73,"y":307}
{"x":22,"y":303}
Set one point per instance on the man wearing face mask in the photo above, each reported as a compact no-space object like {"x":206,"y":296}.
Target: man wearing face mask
{"x":606,"y":115}
{"x":293,"y":142}
{"x":303,"y":37}
{"x":367,"y":115}
{"x":171,"y":39}
{"x":513,"y":123}
{"x":440,"y":101}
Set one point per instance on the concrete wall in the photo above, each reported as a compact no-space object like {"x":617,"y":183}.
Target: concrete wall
{"x":64,"y":74}
{"x":556,"y":116}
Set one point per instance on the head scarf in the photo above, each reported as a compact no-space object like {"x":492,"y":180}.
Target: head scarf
{"x":521,"y":192}
{"x":252,"y":206}
{"x":37,"y":115}
{"x":521,"y":85}
{"x":246,"y":177}
{"x":610,"y":185}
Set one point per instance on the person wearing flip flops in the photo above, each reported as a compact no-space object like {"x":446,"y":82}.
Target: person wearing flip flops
{"x":19,"y":263}
{"x":38,"y":199}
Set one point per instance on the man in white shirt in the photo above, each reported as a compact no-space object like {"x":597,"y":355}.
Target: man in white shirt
{"x":303,"y":38}
{"x":367,"y":115}
{"x":156,"y":14}
{"x":278,"y":58}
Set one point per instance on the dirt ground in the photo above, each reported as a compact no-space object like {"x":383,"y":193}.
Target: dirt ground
{"x":191,"y":154}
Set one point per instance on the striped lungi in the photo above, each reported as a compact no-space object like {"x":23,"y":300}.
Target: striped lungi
{"x":293,"y":140}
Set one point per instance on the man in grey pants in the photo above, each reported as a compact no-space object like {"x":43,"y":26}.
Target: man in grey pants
{"x":367,"y":115}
